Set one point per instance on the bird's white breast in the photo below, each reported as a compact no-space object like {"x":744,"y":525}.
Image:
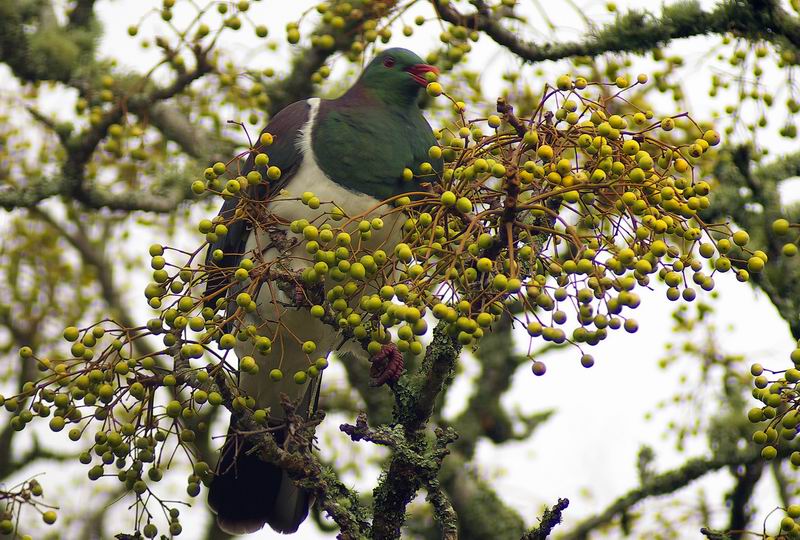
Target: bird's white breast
{"x":275,"y":305}
{"x":310,"y":177}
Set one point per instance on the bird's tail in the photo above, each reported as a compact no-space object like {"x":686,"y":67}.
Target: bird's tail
{"x":248,"y":493}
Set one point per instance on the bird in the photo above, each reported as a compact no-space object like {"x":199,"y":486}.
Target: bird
{"x":351,"y":152}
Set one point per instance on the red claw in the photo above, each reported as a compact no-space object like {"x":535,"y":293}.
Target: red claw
{"x":387,"y":366}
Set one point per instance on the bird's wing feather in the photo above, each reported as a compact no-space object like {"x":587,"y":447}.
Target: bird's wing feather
{"x":286,"y":154}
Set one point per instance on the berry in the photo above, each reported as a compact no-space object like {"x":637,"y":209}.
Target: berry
{"x":227,"y":341}
{"x":248,"y":365}
{"x":741,"y":238}
{"x":755,"y":264}
{"x":769,"y":452}
{"x":434,"y":89}
{"x":71,"y":333}
{"x":780,"y":227}
{"x":711,"y":137}
{"x":464,"y":205}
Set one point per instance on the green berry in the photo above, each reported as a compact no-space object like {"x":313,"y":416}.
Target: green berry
{"x":71,"y":333}
{"x":174,"y":409}
{"x":463,"y":205}
{"x":500,"y":282}
{"x":227,"y":341}
{"x":248,"y":365}
{"x":793,"y":511}
{"x":57,"y":423}
{"x":531,"y":138}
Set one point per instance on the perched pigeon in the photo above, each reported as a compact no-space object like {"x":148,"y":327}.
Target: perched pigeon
{"x":351,"y":151}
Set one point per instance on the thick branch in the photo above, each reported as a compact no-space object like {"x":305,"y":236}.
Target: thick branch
{"x":638,"y":31}
{"x":194,"y":140}
{"x":80,"y":148}
{"x":740,"y":511}
{"x":414,"y":406}
{"x":662,"y":484}
{"x":437,"y":370}
{"x":550,"y":518}
{"x":82,"y":13}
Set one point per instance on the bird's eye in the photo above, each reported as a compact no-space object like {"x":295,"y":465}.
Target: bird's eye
{"x":388,"y":62}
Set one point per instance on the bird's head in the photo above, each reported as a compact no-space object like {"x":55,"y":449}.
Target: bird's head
{"x":396,"y":76}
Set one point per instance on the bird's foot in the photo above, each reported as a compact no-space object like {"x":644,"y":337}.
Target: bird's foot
{"x":387,"y":366}
{"x":300,"y":295}
{"x":307,"y":295}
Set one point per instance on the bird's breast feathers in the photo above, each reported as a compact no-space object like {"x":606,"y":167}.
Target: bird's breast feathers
{"x":309,"y":177}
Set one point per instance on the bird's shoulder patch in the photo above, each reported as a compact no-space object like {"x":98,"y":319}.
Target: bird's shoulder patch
{"x":285,"y":152}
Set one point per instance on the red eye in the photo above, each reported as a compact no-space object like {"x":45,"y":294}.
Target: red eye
{"x":388,"y":61}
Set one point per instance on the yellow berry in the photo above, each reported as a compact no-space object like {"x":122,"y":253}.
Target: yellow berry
{"x":448,"y":198}
{"x":434,"y":89}
{"x":780,"y":227}
{"x":564,"y":82}
{"x":741,"y":238}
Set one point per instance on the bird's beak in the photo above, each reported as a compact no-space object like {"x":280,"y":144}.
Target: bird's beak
{"x":418,"y":71}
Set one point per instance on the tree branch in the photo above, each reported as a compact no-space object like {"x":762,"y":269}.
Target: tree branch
{"x":414,"y":405}
{"x":665,"y":483}
{"x":779,"y":280}
{"x":550,"y":518}
{"x":81,"y":146}
{"x":298,"y":85}
{"x":740,"y":512}
{"x":639,"y":31}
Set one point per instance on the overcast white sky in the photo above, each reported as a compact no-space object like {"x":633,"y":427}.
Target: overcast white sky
{"x":590,"y":445}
